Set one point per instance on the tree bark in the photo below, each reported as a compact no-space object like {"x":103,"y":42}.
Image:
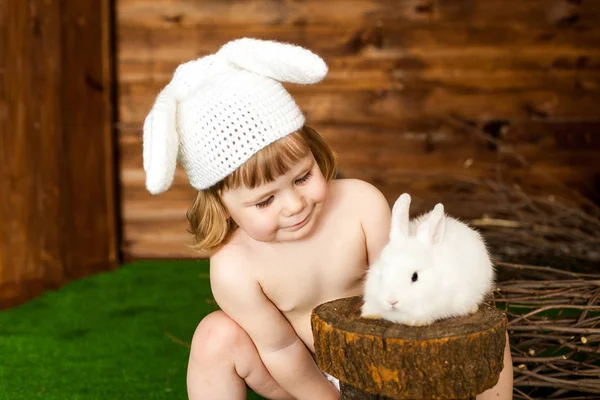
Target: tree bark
{"x":455,"y":358}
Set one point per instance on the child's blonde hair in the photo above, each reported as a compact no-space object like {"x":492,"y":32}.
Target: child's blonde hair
{"x":209,"y":220}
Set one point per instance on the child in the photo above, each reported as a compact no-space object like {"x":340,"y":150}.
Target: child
{"x":284,"y":236}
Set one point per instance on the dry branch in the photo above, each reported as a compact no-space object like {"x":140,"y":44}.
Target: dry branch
{"x":554,"y":327}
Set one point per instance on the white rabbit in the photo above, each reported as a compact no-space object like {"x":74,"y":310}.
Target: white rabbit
{"x":433,"y":267}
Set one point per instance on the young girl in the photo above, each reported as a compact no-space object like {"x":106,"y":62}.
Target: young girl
{"x":284,"y":236}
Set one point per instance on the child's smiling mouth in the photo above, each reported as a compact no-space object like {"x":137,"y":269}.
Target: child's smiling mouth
{"x":301,"y":223}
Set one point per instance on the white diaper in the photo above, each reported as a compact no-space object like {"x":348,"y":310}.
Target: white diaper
{"x":334,"y":381}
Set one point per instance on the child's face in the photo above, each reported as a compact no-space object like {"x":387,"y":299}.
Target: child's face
{"x":283,"y":210}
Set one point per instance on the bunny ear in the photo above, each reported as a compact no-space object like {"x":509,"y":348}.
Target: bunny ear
{"x":161,"y":143}
{"x":432,"y":230}
{"x":400,"y":217}
{"x":283,"y":62}
{"x":161,"y":140}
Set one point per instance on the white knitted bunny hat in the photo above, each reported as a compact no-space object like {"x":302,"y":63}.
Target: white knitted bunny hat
{"x":221,"y":109}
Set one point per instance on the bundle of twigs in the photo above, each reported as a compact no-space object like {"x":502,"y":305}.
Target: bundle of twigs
{"x":537,"y":225}
{"x":540,"y":229}
{"x":554,"y":328}
{"x":553,"y":312}
{"x":546,"y":244}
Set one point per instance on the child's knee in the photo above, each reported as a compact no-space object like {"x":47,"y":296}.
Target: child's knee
{"x":216,"y":337}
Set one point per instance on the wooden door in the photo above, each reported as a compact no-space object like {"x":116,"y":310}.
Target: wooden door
{"x":57,"y":182}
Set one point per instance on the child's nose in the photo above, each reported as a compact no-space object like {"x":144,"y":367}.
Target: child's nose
{"x":294,"y":203}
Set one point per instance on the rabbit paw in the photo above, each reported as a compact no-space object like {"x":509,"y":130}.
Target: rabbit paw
{"x":416,"y":323}
{"x":369,"y":311}
{"x":371,"y":316}
{"x":473,"y":309}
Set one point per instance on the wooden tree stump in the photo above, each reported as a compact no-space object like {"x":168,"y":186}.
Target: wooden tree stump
{"x":456,"y":358}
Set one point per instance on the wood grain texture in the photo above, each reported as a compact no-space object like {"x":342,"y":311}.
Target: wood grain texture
{"x":87,"y":115}
{"x":454,"y":358}
{"x":57,"y":181}
{"x":161,"y":13}
{"x":30,"y":249}
{"x":526,"y":75}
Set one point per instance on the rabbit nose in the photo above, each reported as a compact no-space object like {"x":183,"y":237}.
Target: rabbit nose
{"x":392,"y":302}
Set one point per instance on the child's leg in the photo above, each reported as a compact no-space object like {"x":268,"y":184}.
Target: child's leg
{"x":223,"y":359}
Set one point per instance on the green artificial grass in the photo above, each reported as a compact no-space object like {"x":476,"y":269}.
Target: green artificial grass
{"x":123,"y":334}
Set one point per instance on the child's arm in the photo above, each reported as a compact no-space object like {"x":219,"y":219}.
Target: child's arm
{"x":504,"y":388}
{"x":283,"y":353}
{"x":375,"y":218}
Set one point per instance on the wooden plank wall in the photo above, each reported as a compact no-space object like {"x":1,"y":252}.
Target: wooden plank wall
{"x":57,"y":177}
{"x":420,"y":93}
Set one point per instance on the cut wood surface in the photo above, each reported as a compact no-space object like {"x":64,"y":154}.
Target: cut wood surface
{"x":451,"y":359}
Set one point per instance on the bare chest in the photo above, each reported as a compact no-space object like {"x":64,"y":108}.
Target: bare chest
{"x":296,"y":281}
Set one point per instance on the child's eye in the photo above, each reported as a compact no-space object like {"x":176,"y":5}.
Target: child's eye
{"x":265,"y":203}
{"x":304,"y":178}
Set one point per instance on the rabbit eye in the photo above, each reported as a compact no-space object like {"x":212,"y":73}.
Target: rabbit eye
{"x":415,"y":276}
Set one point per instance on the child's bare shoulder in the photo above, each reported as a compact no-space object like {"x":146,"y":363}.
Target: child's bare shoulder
{"x":372,"y":209}
{"x":230,"y":264}
{"x":359,"y":194}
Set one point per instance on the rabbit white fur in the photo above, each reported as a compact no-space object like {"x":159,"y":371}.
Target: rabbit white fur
{"x":433,"y":267}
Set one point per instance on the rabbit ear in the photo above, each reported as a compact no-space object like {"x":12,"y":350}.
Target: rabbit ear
{"x":161,"y":143}
{"x":432,"y":230}
{"x":283,"y":62}
{"x":400,"y":217}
